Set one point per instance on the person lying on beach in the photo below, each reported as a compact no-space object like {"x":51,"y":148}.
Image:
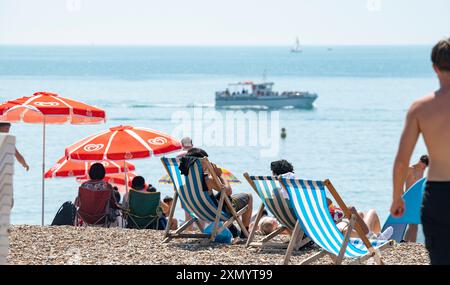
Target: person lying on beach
{"x":239,"y":201}
{"x":95,"y":183}
{"x":138,"y":184}
{"x":369,"y":222}
{"x":173,"y":222}
{"x":266,"y":225}
{"x":415,"y":173}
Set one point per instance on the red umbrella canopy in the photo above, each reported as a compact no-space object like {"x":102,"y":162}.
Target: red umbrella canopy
{"x":68,"y":168}
{"x":123,"y":143}
{"x":50,"y":108}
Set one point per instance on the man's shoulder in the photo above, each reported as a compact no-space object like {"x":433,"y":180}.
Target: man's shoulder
{"x":422,"y":104}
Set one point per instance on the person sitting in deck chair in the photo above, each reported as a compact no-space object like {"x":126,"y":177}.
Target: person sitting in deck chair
{"x":239,"y":201}
{"x":173,"y":222}
{"x":138,"y":184}
{"x":369,"y":221}
{"x":95,"y":183}
{"x":282,"y":168}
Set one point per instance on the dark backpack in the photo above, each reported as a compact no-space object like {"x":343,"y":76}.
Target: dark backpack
{"x":65,"y":215}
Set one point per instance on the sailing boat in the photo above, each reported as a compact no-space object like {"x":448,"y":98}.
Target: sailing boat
{"x":297,"y":47}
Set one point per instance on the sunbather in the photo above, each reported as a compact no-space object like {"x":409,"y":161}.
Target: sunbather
{"x":138,"y":184}
{"x":239,"y":201}
{"x":415,"y":173}
{"x":284,"y":169}
{"x":173,"y":222}
{"x":369,"y":222}
{"x":95,"y":183}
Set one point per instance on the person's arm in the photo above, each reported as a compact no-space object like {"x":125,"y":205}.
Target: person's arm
{"x":359,"y":220}
{"x":165,"y":208}
{"x":21,"y":160}
{"x":408,"y":141}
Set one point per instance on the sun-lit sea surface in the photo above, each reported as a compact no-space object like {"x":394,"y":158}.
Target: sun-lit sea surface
{"x":349,"y":137}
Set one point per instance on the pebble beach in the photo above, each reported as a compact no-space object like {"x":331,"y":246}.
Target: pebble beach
{"x":37,"y":245}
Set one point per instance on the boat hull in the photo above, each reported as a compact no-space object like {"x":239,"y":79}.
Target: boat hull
{"x":301,"y":102}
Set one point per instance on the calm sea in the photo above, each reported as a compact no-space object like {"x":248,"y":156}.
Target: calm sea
{"x":349,"y":137}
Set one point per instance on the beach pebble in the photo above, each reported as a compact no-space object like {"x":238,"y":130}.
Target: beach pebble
{"x":92,"y":245}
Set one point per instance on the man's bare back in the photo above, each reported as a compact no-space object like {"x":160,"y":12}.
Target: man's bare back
{"x":432,"y":114}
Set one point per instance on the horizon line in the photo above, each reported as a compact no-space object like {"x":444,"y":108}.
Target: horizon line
{"x":207,"y":45}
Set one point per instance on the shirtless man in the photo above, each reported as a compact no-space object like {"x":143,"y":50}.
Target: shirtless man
{"x":430,"y":116}
{"x":415,"y":173}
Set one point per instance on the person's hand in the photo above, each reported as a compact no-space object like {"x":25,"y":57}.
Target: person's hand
{"x":398,"y":208}
{"x":25,"y":165}
{"x":217,"y":169}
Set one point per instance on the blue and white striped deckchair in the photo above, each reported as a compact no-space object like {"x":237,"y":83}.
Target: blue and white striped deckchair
{"x":269,"y":191}
{"x":197,"y":201}
{"x":308,"y":200}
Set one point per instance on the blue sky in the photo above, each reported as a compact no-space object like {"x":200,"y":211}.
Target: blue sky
{"x":228,"y":22}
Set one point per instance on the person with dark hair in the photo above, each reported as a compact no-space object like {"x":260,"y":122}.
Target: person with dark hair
{"x":4,"y":128}
{"x":415,"y":173}
{"x":430,"y":117}
{"x":138,"y":184}
{"x":116,"y":194}
{"x":95,"y":183}
{"x":174,"y":222}
{"x":284,"y":169}
{"x":239,"y":201}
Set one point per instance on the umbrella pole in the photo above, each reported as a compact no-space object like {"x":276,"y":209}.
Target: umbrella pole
{"x":43,"y":170}
{"x":126,"y":176}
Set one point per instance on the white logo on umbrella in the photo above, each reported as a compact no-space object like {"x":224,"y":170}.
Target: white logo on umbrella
{"x":46,"y":104}
{"x":93,"y":147}
{"x":105,"y":163}
{"x":157,"y":141}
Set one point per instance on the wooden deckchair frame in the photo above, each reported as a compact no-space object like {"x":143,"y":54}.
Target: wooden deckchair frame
{"x":265,"y":242}
{"x":337,"y":259}
{"x":178,"y":233}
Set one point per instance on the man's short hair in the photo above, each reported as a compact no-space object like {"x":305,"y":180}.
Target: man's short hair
{"x":440,"y":55}
{"x":138,"y":183}
{"x":281,"y":167}
{"x":97,"y":171}
{"x":424,"y":159}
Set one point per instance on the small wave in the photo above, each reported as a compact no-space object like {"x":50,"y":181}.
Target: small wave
{"x":169,"y":105}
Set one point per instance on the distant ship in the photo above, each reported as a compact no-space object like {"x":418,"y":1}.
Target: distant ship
{"x":251,"y":94}
{"x":297,"y":47}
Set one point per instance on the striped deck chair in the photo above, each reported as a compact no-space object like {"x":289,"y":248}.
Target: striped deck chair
{"x":268,"y":189}
{"x":197,"y":202}
{"x":308,"y":198}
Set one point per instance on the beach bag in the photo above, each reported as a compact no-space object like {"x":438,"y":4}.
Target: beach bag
{"x":65,"y":215}
{"x":224,"y":236}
